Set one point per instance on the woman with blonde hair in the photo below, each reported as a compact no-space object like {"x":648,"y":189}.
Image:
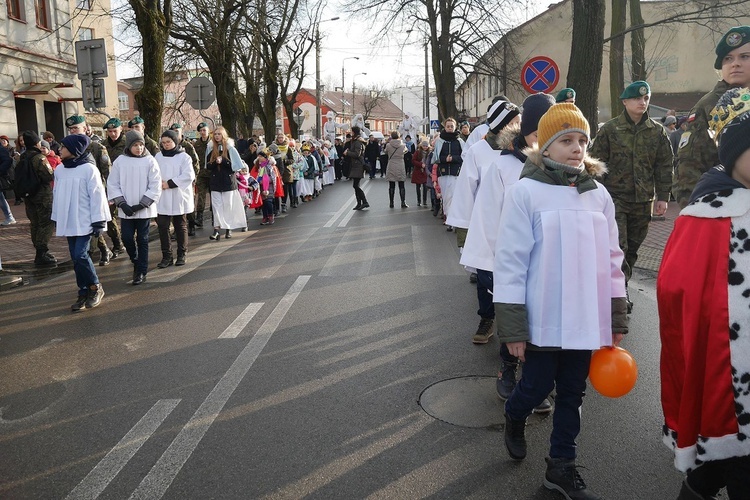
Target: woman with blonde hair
{"x":222,"y":161}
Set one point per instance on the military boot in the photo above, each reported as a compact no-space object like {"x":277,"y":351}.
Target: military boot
{"x":104,"y":255}
{"x":44,"y":258}
{"x":562,"y":475}
{"x":199,"y":219}
{"x":515,"y":438}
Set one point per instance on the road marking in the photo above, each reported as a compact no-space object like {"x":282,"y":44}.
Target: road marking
{"x":242,"y":320}
{"x":197,"y":258}
{"x":430,"y":257}
{"x":349,"y":258}
{"x":105,"y":471}
{"x":161,"y":475}
{"x":340,"y":212}
{"x":351,"y":213}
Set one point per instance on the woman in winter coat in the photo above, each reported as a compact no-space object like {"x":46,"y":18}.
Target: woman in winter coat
{"x":222,"y":161}
{"x":176,"y":201}
{"x":448,"y":149}
{"x":419,"y":172}
{"x":395,"y":150}
{"x":356,"y":152}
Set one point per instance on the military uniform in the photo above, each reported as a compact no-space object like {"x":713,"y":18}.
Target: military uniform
{"x":201,"y":179}
{"x":101,"y":160}
{"x":151,"y":145}
{"x":639,"y":164}
{"x":39,"y":206}
{"x":114,"y":149}
{"x":696,"y":152}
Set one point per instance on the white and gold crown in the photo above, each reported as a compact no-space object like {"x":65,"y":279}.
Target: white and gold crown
{"x":732,"y":104}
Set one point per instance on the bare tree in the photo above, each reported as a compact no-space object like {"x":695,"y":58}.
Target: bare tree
{"x":637,"y":43}
{"x":372,"y":98}
{"x":586,"y":56}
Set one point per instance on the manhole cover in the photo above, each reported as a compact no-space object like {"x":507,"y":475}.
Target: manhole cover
{"x":467,"y":402}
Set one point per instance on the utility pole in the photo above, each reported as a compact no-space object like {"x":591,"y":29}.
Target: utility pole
{"x":318,"y":124}
{"x":426,"y":89}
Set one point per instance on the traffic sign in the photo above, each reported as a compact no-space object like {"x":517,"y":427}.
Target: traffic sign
{"x":539,"y":74}
{"x":434,"y":125}
{"x":91,"y":59}
{"x":93,"y":94}
{"x":200,"y":93}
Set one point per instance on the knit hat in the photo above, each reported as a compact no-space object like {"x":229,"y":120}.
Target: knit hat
{"x":132,"y":137}
{"x":76,"y":144}
{"x":74,"y":120}
{"x":562,"y":118}
{"x":172,"y":135}
{"x":565,"y":94}
{"x":534,"y":108}
{"x":734,"y":140}
{"x":30,"y":138}
{"x":735,"y":37}
{"x":636,"y":89}
{"x":669,"y":120}
{"x":45,"y":144}
{"x":5,"y":137}
{"x":500,"y":115}
{"x":113,"y":123}
{"x":135,"y":121}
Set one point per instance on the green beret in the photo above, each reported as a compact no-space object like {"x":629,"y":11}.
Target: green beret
{"x":135,"y":121}
{"x":565,"y":94}
{"x":201,"y":125}
{"x":113,"y":123}
{"x":74,"y":120}
{"x":636,"y":89}
{"x":175,"y":126}
{"x":735,"y":37}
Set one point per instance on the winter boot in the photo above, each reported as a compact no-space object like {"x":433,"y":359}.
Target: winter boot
{"x":419,"y":196}
{"x":562,"y":475}
{"x":515,"y":438}
{"x":44,"y":258}
{"x":199,"y":219}
{"x":180,"y":259}
{"x":104,"y":255}
{"x":485,"y":331}
{"x":506,"y":382}
{"x":402,"y":194}
{"x":166,"y":261}
{"x":391,"y":194}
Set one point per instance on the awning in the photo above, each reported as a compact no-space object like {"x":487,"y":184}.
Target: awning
{"x":64,"y":91}
{"x":67,"y":94}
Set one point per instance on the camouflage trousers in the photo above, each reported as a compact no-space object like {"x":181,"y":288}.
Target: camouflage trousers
{"x":39,"y":213}
{"x":201,"y":185}
{"x":632,"y":220}
{"x":113,"y":231}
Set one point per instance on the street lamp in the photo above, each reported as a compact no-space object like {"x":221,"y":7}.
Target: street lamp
{"x":343,"y":106}
{"x":426,"y":99}
{"x":353,"y":91}
{"x":318,"y":125}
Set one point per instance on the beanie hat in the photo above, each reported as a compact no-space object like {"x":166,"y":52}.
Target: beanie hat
{"x":113,"y":123}
{"x":735,"y":37}
{"x":565,"y":94}
{"x":45,"y":144}
{"x":76,"y":144}
{"x":669,"y":120}
{"x":131,"y":138}
{"x":562,"y":118}
{"x":534,"y":108}
{"x":30,"y":138}
{"x":500,"y":115}
{"x":636,"y":89}
{"x":172,"y":135}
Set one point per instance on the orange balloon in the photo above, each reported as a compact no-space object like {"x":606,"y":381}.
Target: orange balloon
{"x":613,"y":371}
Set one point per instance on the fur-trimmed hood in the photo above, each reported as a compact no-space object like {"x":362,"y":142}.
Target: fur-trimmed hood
{"x":504,"y":138}
{"x":535,"y":169}
{"x":592,"y":166}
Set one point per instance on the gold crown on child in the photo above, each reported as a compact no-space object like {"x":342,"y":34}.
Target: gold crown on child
{"x":732,"y":104}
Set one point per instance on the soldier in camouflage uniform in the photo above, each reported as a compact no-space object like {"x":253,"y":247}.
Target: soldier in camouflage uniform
{"x":39,"y":204}
{"x":639,"y":163}
{"x":201,"y":180}
{"x":190,"y":150}
{"x":138,"y":124}
{"x":697,"y":151}
{"x":76,"y":124}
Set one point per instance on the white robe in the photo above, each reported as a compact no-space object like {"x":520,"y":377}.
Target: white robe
{"x":558,"y":253}
{"x":497,"y":176}
{"x":476,"y":135}
{"x":476,"y":159}
{"x":133,"y":178}
{"x":78,"y":200}
{"x":178,"y":169}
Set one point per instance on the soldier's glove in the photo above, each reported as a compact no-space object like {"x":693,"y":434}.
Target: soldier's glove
{"x":97,"y":228}
{"x":126,"y":209}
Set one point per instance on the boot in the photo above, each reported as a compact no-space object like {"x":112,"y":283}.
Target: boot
{"x":391,"y":193}
{"x":506,"y":382}
{"x":216,"y":236}
{"x":191,"y":228}
{"x":402,"y":194}
{"x":199,"y":219}
{"x":562,"y":475}
{"x":485,"y":331}
{"x":180,"y":259}
{"x":95,"y":295}
{"x":104,"y":256}
{"x":364,"y":202}
{"x":228,"y":234}
{"x":283,"y":208}
{"x":515,"y":438}
{"x":44,"y":258}
{"x":166,"y":261}
{"x":419,"y":196}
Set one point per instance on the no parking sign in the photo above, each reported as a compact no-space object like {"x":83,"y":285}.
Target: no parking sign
{"x":540,"y":74}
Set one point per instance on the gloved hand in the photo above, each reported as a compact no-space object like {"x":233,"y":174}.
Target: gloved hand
{"x":136,"y":208}
{"x":126,"y":209}
{"x":97,"y":228}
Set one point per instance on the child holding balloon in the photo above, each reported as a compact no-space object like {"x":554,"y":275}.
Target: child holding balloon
{"x":704,"y":318}
{"x":559,"y":290}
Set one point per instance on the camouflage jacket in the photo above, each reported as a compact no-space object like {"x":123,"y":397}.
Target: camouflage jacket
{"x":44,"y":173}
{"x":151,"y":145}
{"x":190,"y":150}
{"x":697,"y":151}
{"x":101,"y":159}
{"x":115,"y":149}
{"x":638,"y":157}
{"x":200,"y":150}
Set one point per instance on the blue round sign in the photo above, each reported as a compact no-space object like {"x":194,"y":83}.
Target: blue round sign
{"x":539,"y":74}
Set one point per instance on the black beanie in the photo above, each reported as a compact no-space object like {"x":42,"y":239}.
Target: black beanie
{"x":534,"y":108}
{"x":172,"y":135}
{"x":734,"y":140}
{"x":30,"y":138}
{"x":76,"y":144}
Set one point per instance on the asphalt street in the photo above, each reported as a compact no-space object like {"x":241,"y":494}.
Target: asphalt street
{"x":290,"y":362}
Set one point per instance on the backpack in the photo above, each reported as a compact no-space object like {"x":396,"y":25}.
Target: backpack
{"x":26,"y":183}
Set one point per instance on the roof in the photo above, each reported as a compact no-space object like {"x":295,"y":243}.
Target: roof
{"x":384,"y":109}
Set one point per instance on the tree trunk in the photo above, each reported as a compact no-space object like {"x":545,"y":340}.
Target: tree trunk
{"x":637,"y":43}
{"x":586,"y":56}
{"x":616,"y":50}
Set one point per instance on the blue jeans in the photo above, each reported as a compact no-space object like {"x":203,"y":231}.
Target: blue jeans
{"x":484,"y":286}
{"x":135,"y":238}
{"x":82,"y":264}
{"x":544,"y":370}
{"x":4,"y":206}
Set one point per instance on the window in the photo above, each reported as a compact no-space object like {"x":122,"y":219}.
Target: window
{"x":43,"y":18}
{"x":123,"y":101}
{"x":85,"y":34}
{"x":83,"y":4}
{"x":169,"y":97}
{"x":16,"y":10}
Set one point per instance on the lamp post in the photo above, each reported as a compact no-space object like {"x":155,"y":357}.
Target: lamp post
{"x":318,"y":125}
{"x":343,"y":106}
{"x":426,"y":90}
{"x":353,"y":91}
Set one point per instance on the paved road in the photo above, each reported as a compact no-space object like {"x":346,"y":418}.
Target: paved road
{"x":288,"y":362}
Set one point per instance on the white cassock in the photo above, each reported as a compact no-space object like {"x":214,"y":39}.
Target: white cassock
{"x":78,"y":200}
{"x":178,"y":169}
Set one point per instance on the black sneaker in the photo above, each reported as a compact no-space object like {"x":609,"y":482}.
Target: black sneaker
{"x":165,"y":262}
{"x":116,"y":251}
{"x":543,"y":407}
{"x":365,"y":204}
{"x":105,"y":256}
{"x":515,"y":438}
{"x":506,"y":382}
{"x":80,"y":303}
{"x":473,"y":278}
{"x":562,"y":475}
{"x":180,"y":260}
{"x":139,"y":278}
{"x":95,"y":295}
{"x":485,"y":331}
